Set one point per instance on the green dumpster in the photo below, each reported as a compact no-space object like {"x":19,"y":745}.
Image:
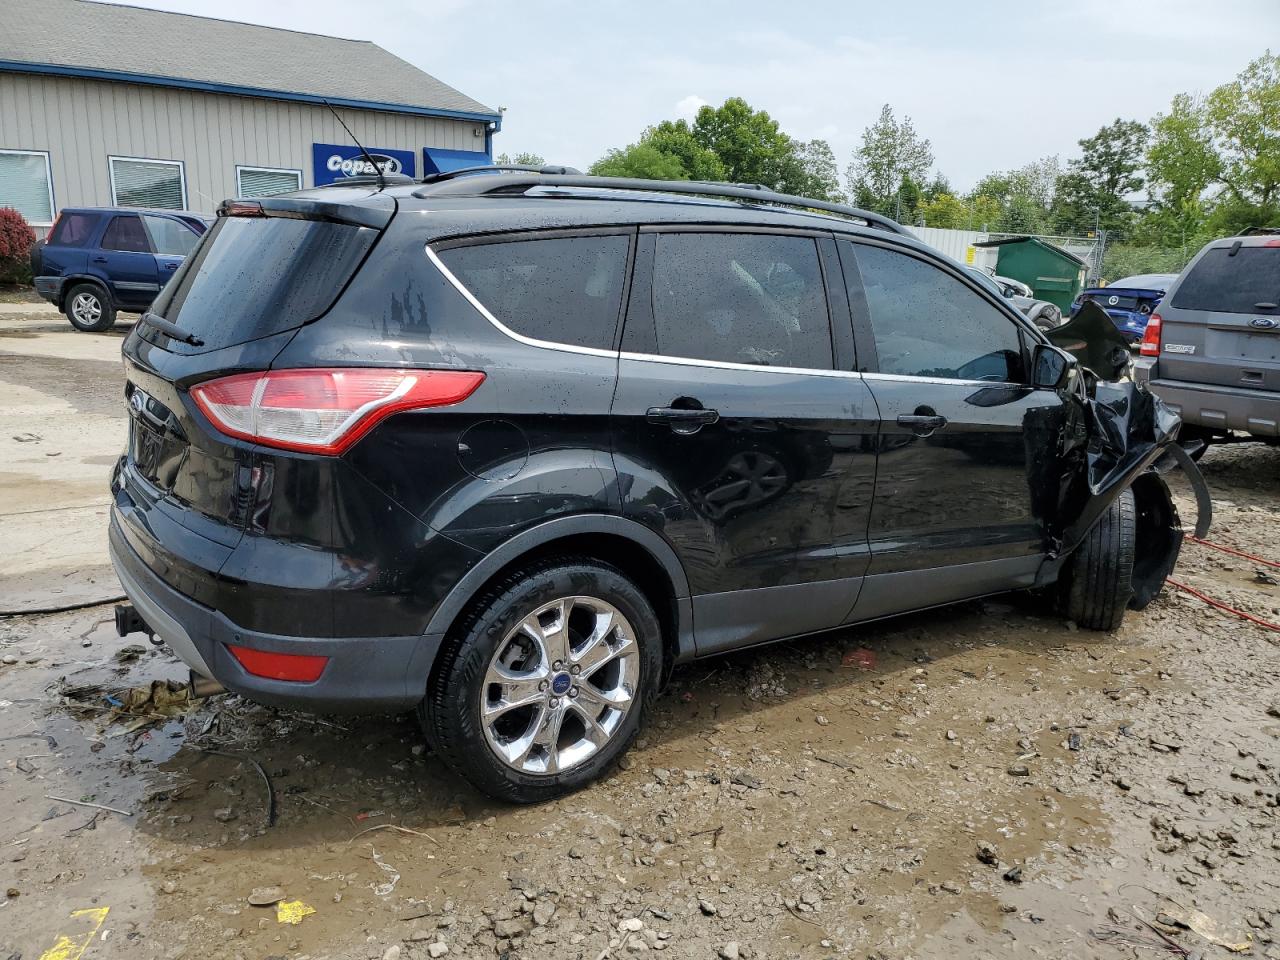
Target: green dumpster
{"x":1052,"y":273}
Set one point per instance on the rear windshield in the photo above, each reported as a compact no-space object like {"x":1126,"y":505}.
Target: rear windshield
{"x":250,"y":277}
{"x":1227,"y":284}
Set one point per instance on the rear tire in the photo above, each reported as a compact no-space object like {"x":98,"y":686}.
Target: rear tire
{"x":89,"y":308}
{"x":513,"y":647}
{"x":1098,"y":581}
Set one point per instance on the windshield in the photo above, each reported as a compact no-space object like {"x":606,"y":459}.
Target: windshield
{"x":1246,"y":282}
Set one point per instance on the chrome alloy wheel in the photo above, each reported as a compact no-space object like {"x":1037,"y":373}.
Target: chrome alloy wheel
{"x":560,"y":685}
{"x":86,"y":308}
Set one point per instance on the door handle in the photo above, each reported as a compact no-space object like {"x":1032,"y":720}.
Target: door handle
{"x":923,"y":425}
{"x":171,"y":266}
{"x":99,"y":259}
{"x":681,"y":419}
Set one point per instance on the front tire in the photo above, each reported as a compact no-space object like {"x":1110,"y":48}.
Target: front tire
{"x":89,"y":308}
{"x":1098,"y":581}
{"x":544,"y":682}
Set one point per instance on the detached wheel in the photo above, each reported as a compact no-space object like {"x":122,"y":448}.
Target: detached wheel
{"x":545,"y":682}
{"x":89,"y":308}
{"x":1099,"y":576}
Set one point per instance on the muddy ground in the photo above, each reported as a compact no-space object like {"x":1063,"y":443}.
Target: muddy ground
{"x":983,"y":781}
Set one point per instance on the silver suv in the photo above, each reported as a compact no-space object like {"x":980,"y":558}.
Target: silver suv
{"x":1213,"y":350}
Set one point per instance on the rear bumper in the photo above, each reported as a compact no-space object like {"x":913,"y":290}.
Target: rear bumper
{"x":363,"y":675}
{"x":1220,"y":408}
{"x":50,"y":288}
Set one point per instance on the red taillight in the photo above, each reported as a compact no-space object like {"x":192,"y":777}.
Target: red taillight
{"x":298,"y":667}
{"x":1151,"y":337}
{"x":324,"y":410}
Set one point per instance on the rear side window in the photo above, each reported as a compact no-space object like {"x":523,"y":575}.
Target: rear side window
{"x":73,"y":230}
{"x":561,"y":289}
{"x":250,"y":277}
{"x":169,"y":237}
{"x":126,"y":234}
{"x":1227,"y":284}
{"x":741,"y":298}
{"x":928,"y":324}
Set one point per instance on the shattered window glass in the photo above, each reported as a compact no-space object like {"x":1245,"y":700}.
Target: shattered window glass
{"x":928,"y":324}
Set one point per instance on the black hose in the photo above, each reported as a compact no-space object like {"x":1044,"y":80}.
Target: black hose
{"x":41,"y":611}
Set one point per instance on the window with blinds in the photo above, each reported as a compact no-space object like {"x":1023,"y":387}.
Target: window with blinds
{"x":147,"y":183}
{"x":265,"y":182}
{"x":25,"y":185}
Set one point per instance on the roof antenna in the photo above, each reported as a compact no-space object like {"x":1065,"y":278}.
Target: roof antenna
{"x":377,"y":170}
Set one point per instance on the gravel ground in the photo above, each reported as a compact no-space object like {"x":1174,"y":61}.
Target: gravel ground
{"x":981,"y":781}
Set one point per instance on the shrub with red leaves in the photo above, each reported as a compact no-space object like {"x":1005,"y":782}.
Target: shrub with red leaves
{"x":16,"y":240}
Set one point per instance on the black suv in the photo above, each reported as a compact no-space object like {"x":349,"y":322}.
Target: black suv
{"x":503,"y":447}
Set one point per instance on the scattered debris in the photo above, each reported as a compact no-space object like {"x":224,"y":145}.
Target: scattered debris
{"x":384,"y":889}
{"x":86,"y":803}
{"x":266,"y":896}
{"x":292,"y":911}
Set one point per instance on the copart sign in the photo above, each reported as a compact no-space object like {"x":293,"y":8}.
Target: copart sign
{"x":334,"y":162}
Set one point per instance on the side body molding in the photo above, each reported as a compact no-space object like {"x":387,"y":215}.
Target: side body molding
{"x":590,"y":523}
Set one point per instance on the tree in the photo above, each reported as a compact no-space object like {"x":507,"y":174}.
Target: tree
{"x":945,"y":210}
{"x":891,"y":152}
{"x":643,"y":160}
{"x":750,"y":146}
{"x":522,"y":159}
{"x":1094,"y":189}
{"x":1214,"y":163}
{"x":677,"y":138}
{"x":821,"y":176}
{"x":1018,"y":201}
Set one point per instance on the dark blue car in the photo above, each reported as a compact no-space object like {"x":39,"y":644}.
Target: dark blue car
{"x":1129,"y":302}
{"x":99,"y":260}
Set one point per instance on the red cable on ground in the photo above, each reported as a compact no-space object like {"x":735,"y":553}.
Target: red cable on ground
{"x":1236,"y":553}
{"x":1222,"y":606}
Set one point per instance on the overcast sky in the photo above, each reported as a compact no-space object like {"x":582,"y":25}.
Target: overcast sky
{"x":994,"y":85}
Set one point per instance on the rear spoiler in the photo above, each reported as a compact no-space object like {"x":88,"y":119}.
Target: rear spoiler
{"x":370,"y":210}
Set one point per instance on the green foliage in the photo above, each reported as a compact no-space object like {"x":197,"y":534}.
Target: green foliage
{"x":16,"y":240}
{"x":1017,"y":201}
{"x":1214,"y":162}
{"x":642,"y":160}
{"x":1093,"y":191}
{"x":677,"y":138}
{"x":1126,"y":260}
{"x":891,"y":153}
{"x":947,"y":211}
{"x":821,"y":177}
{"x":522,"y":159}
{"x":750,"y":145}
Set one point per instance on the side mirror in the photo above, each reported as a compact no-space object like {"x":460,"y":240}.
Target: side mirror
{"x":1051,"y":367}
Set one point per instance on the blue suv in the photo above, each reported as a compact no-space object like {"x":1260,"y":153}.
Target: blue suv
{"x":99,"y":260}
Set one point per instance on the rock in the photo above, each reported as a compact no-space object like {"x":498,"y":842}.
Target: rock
{"x":1193,"y":787}
{"x":729,"y":951}
{"x":265,"y":896}
{"x":662,"y":775}
{"x":437,"y":949}
{"x":224,"y":815}
{"x":949,"y":887}
{"x":744,"y":779}
{"x":10,"y":659}
{"x":820,"y":720}
{"x":169,"y":886}
{"x":392,"y":952}
{"x":987,"y":854}
{"x":631,"y":925}
{"x":1019,"y":770}
{"x":951,"y":735}
{"x":707,"y":907}
{"x":543,"y":911}
{"x":509,"y":929}
{"x":130,"y":653}
{"x":1013,"y":875}
{"x":1274,"y":710}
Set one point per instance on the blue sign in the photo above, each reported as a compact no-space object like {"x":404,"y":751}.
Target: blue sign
{"x":334,"y":162}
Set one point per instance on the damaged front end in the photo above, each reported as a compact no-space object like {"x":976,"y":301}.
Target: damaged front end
{"x":1117,"y":436}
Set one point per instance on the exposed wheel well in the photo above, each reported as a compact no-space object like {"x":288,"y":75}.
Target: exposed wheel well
{"x":72,"y":282}
{"x":632,"y":559}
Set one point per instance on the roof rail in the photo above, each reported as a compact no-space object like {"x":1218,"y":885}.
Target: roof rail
{"x":482,"y":186}
{"x":1260,"y":231}
{"x":548,"y":168}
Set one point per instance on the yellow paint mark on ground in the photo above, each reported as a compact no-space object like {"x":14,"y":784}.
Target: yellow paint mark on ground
{"x":290,"y":911}
{"x":73,"y":948}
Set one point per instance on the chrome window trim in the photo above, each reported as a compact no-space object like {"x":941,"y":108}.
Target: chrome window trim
{"x":679,"y":361}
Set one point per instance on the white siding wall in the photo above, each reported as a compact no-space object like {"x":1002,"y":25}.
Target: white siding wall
{"x":956,"y":244}
{"x":83,"y":122}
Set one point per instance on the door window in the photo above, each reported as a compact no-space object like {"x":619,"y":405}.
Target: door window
{"x":126,"y":233}
{"x":73,"y":230}
{"x":741,"y":298}
{"x":169,"y":237}
{"x":562,"y":289}
{"x":927,"y":323}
